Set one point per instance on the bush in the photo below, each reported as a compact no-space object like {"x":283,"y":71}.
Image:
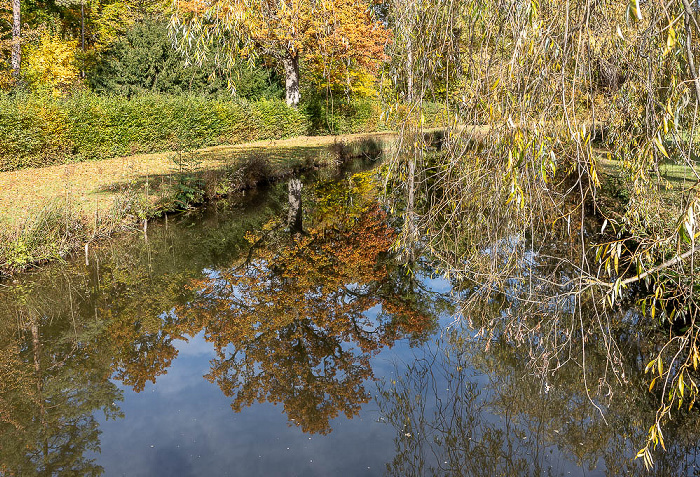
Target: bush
{"x":43,"y":130}
{"x":38,"y":130}
{"x":50,"y":65}
{"x":364,"y":115}
{"x":33,"y":132}
{"x":344,"y":117}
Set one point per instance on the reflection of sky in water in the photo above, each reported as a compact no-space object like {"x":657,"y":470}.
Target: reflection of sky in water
{"x":183,"y":425}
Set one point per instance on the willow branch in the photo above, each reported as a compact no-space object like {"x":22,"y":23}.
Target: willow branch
{"x":666,"y":264}
{"x":691,"y":61}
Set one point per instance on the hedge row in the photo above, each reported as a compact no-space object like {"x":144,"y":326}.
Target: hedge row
{"x":37,"y":131}
{"x":364,"y":116}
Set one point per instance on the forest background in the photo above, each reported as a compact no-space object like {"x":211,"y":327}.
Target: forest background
{"x":95,"y":79}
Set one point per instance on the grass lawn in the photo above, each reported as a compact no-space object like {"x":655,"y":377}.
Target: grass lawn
{"x":94,"y":185}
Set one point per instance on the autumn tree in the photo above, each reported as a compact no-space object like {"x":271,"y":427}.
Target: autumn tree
{"x":335,"y":34}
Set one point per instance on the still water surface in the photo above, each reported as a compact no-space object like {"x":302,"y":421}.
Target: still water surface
{"x":251,"y":339}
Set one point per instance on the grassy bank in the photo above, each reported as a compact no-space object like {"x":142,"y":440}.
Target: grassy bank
{"x":47,"y":213}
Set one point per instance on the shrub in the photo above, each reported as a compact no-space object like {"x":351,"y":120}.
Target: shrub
{"x":343,"y":117}
{"x":33,"y":132}
{"x":39,"y":130}
{"x":364,"y":115}
{"x":42,"y":130}
{"x":50,"y":65}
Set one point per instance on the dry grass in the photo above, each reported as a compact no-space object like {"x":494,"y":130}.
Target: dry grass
{"x":94,"y":186}
{"x":46,"y":213}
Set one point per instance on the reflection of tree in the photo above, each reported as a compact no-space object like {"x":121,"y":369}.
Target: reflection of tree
{"x":296,"y":324}
{"x":64,"y":332}
{"x":137,"y":331}
{"x":449,"y":422}
{"x":140,"y":282}
{"x":52,"y":381}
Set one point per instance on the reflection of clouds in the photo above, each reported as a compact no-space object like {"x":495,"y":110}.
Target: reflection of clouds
{"x":197,"y":432}
{"x":193,"y":364}
{"x":436,"y":284}
{"x":194,"y":346}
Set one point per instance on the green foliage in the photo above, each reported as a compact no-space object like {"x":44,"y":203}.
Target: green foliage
{"x":343,"y":116}
{"x":33,"y":132}
{"x":353,"y":116}
{"x":189,"y":188}
{"x":144,"y":61}
{"x":42,"y":130}
{"x":39,"y":130}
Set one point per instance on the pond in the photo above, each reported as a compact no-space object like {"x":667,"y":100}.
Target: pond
{"x":281,"y":334}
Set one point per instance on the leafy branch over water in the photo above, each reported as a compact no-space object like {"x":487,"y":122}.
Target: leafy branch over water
{"x":575,"y":124}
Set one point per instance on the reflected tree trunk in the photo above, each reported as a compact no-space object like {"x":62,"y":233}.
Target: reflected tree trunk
{"x":410,"y":221}
{"x":36,"y":348}
{"x":294,"y":219}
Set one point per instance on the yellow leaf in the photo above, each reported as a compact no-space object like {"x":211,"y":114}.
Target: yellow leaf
{"x":660,"y":146}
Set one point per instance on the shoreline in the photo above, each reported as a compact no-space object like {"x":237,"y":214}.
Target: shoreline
{"x":47,"y":213}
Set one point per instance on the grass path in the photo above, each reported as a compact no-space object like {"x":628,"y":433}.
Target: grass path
{"x":94,"y":185}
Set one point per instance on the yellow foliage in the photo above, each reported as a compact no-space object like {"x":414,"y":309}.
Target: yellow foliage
{"x":110,"y":22}
{"x":52,"y":64}
{"x":357,"y":80}
{"x":6,"y":79}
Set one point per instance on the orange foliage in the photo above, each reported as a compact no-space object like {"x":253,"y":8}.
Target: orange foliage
{"x":333,"y":35}
{"x":294,"y":326}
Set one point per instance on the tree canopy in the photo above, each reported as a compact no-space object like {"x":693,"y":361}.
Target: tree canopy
{"x":334,"y":34}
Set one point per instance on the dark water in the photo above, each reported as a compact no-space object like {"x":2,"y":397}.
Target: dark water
{"x":246,"y":339}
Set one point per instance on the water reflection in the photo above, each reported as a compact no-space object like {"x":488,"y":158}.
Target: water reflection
{"x":52,"y":382}
{"x":297,"y":322}
{"x":295,"y":315}
{"x":300,"y":295}
{"x":70,"y":334}
{"x":459,"y":411}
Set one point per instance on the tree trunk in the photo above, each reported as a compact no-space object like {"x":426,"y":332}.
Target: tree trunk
{"x":82,"y":37}
{"x":291,"y":74}
{"x":16,"y":37}
{"x":82,"y":26}
{"x":294,"y":219}
{"x":410,"y":93}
